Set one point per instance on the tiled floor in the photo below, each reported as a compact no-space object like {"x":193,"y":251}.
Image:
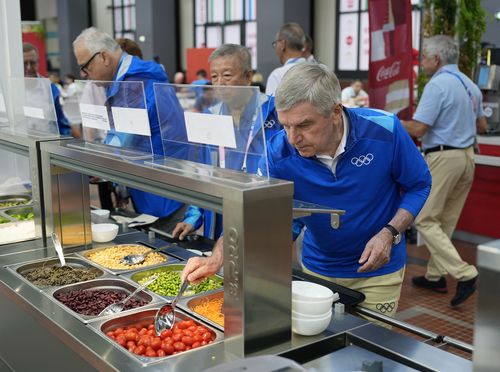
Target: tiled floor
{"x":431,"y":310}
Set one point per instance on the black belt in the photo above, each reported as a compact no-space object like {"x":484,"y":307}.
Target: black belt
{"x":442,"y":148}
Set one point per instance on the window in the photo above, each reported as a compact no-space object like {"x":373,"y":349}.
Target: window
{"x":353,"y":37}
{"x":219,"y":22}
{"x":124,"y":19}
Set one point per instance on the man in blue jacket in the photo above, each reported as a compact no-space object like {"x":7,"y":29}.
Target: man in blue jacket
{"x":100,"y":58}
{"x":231,"y":65}
{"x":360,"y":160}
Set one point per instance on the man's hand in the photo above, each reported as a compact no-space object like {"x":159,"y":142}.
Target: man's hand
{"x":377,"y":251}
{"x":182,"y":229}
{"x":198,"y":268}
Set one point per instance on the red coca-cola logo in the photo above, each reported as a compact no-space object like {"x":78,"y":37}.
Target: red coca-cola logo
{"x":348,"y":40}
{"x":385,"y":73}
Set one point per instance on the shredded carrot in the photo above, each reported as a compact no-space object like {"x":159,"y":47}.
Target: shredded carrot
{"x":211,"y":309}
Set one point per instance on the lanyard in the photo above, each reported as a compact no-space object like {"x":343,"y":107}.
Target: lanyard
{"x":293,"y":60}
{"x":471,"y":97}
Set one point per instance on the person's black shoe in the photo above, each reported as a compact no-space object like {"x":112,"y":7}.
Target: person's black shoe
{"x":436,"y":286}
{"x":464,"y":290}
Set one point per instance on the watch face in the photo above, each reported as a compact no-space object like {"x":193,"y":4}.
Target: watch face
{"x":397,"y":239}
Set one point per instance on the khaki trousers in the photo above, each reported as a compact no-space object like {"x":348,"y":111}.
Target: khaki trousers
{"x":381,"y":292}
{"x":452,"y":175}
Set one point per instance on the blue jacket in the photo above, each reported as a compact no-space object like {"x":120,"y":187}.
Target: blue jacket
{"x":380,"y":171}
{"x":134,"y":69}
{"x":234,"y":160}
{"x":62,"y":121}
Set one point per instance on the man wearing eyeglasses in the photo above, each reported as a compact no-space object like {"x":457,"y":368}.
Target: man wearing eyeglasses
{"x":101,"y":59}
{"x":288,"y":45}
{"x":31,"y":62}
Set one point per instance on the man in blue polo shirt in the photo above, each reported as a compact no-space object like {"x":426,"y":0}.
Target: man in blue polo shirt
{"x":100,"y":58}
{"x":231,"y":65}
{"x":447,"y":117}
{"x":360,"y":160}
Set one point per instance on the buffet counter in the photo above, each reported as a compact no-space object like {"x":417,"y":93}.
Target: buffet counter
{"x":38,"y":333}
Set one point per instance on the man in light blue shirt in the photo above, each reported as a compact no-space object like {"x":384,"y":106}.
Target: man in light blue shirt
{"x":447,"y":118}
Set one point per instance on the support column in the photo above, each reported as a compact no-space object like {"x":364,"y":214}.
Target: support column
{"x":271,"y":15}
{"x":157,"y":32}
{"x":73,"y":17}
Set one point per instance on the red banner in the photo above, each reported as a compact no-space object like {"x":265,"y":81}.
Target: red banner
{"x":390,"y":69}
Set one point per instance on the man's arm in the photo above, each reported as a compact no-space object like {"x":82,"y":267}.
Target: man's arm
{"x":415,"y":128}
{"x":481,"y":125}
{"x":378,"y":249}
{"x":198,"y":268}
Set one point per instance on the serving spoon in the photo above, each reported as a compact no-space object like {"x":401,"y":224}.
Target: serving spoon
{"x":165,"y":316}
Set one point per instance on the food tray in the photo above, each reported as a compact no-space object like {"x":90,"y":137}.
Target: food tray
{"x":7,"y":213}
{"x":105,"y":283}
{"x":146,"y":316}
{"x":187,"y":305}
{"x":24,"y":199}
{"x":73,"y":261}
{"x":141,"y":274}
{"x":348,"y":297}
{"x":85,"y":254}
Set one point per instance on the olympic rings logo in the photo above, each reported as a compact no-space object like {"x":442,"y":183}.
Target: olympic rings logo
{"x":362,"y":160}
{"x":387,"y":307}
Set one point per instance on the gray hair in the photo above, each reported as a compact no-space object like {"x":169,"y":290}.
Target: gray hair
{"x":229,"y":50}
{"x":309,"y":82}
{"x":293,"y":34}
{"x":97,"y":41}
{"x":442,"y":46}
{"x":28,"y":47}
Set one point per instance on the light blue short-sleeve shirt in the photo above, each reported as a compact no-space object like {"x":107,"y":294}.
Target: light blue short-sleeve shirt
{"x":447,"y":108}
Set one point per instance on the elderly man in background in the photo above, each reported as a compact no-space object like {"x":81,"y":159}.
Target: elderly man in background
{"x":231,"y":65}
{"x":360,"y":160}
{"x":448,"y":115}
{"x":100,"y":58}
{"x":288,"y":45}
{"x":31,"y":62}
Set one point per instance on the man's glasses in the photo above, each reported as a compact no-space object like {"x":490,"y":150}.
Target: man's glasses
{"x":275,"y":42}
{"x":83,"y":68}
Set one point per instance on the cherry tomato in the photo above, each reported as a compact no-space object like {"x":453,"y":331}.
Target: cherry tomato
{"x":130,"y":336}
{"x":193,"y":328}
{"x":130,"y":343}
{"x":110,"y":334}
{"x":167,"y":348}
{"x":156,"y":343}
{"x":187,"y":332}
{"x":139,"y":350}
{"x":207,"y":337}
{"x":121,"y":340}
{"x":198,"y":338}
{"x":179,"y":346}
{"x":184,"y":325}
{"x":161,"y":353}
{"x":151,"y":326}
{"x":143,"y":331}
{"x":118,"y":331}
{"x":151,"y":332}
{"x":150,"y":353}
{"x":177,"y":337}
{"x":166,"y":333}
{"x":195,"y":345}
{"x":187,"y":340}
{"x":203,"y":343}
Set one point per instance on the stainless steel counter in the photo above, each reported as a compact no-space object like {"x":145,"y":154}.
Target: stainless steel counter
{"x":37,"y":333}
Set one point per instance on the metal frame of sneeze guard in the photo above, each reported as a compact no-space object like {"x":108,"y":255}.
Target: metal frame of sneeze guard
{"x":213,"y":128}
{"x":115,"y":119}
{"x":257,"y":238}
{"x":33,"y":106}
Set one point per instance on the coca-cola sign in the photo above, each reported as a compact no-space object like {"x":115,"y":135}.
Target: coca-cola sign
{"x":385,"y":73}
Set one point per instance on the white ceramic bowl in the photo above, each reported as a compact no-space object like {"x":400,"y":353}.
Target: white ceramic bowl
{"x":104,"y":232}
{"x":297,"y":315}
{"x":99,"y":215}
{"x":313,"y":307}
{"x":308,"y":291}
{"x":310,"y":327}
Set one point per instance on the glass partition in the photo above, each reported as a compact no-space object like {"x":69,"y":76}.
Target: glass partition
{"x":213,"y":126}
{"x":34,"y":112}
{"x":114,"y":119}
{"x":4,"y":119}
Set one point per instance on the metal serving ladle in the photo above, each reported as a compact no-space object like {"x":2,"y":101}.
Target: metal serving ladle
{"x":58,"y":247}
{"x":118,"y":306}
{"x":165,"y":317}
{"x":134,"y":259}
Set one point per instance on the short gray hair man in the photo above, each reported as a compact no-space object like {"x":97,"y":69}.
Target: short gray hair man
{"x":442,"y":46}
{"x":229,"y":50}
{"x":309,"y":82}
{"x":293,"y":34}
{"x":97,"y":41}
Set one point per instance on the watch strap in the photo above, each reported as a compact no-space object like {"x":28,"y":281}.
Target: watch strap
{"x":392,"y":229}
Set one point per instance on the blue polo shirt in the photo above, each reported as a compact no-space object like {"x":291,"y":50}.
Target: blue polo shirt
{"x":380,"y":171}
{"x":448,"y":110}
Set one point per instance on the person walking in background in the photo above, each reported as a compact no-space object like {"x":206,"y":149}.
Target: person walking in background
{"x":354,"y":95}
{"x":447,"y":118}
{"x":288,"y":45}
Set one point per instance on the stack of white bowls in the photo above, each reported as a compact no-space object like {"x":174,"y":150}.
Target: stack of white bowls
{"x":311,"y":307}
